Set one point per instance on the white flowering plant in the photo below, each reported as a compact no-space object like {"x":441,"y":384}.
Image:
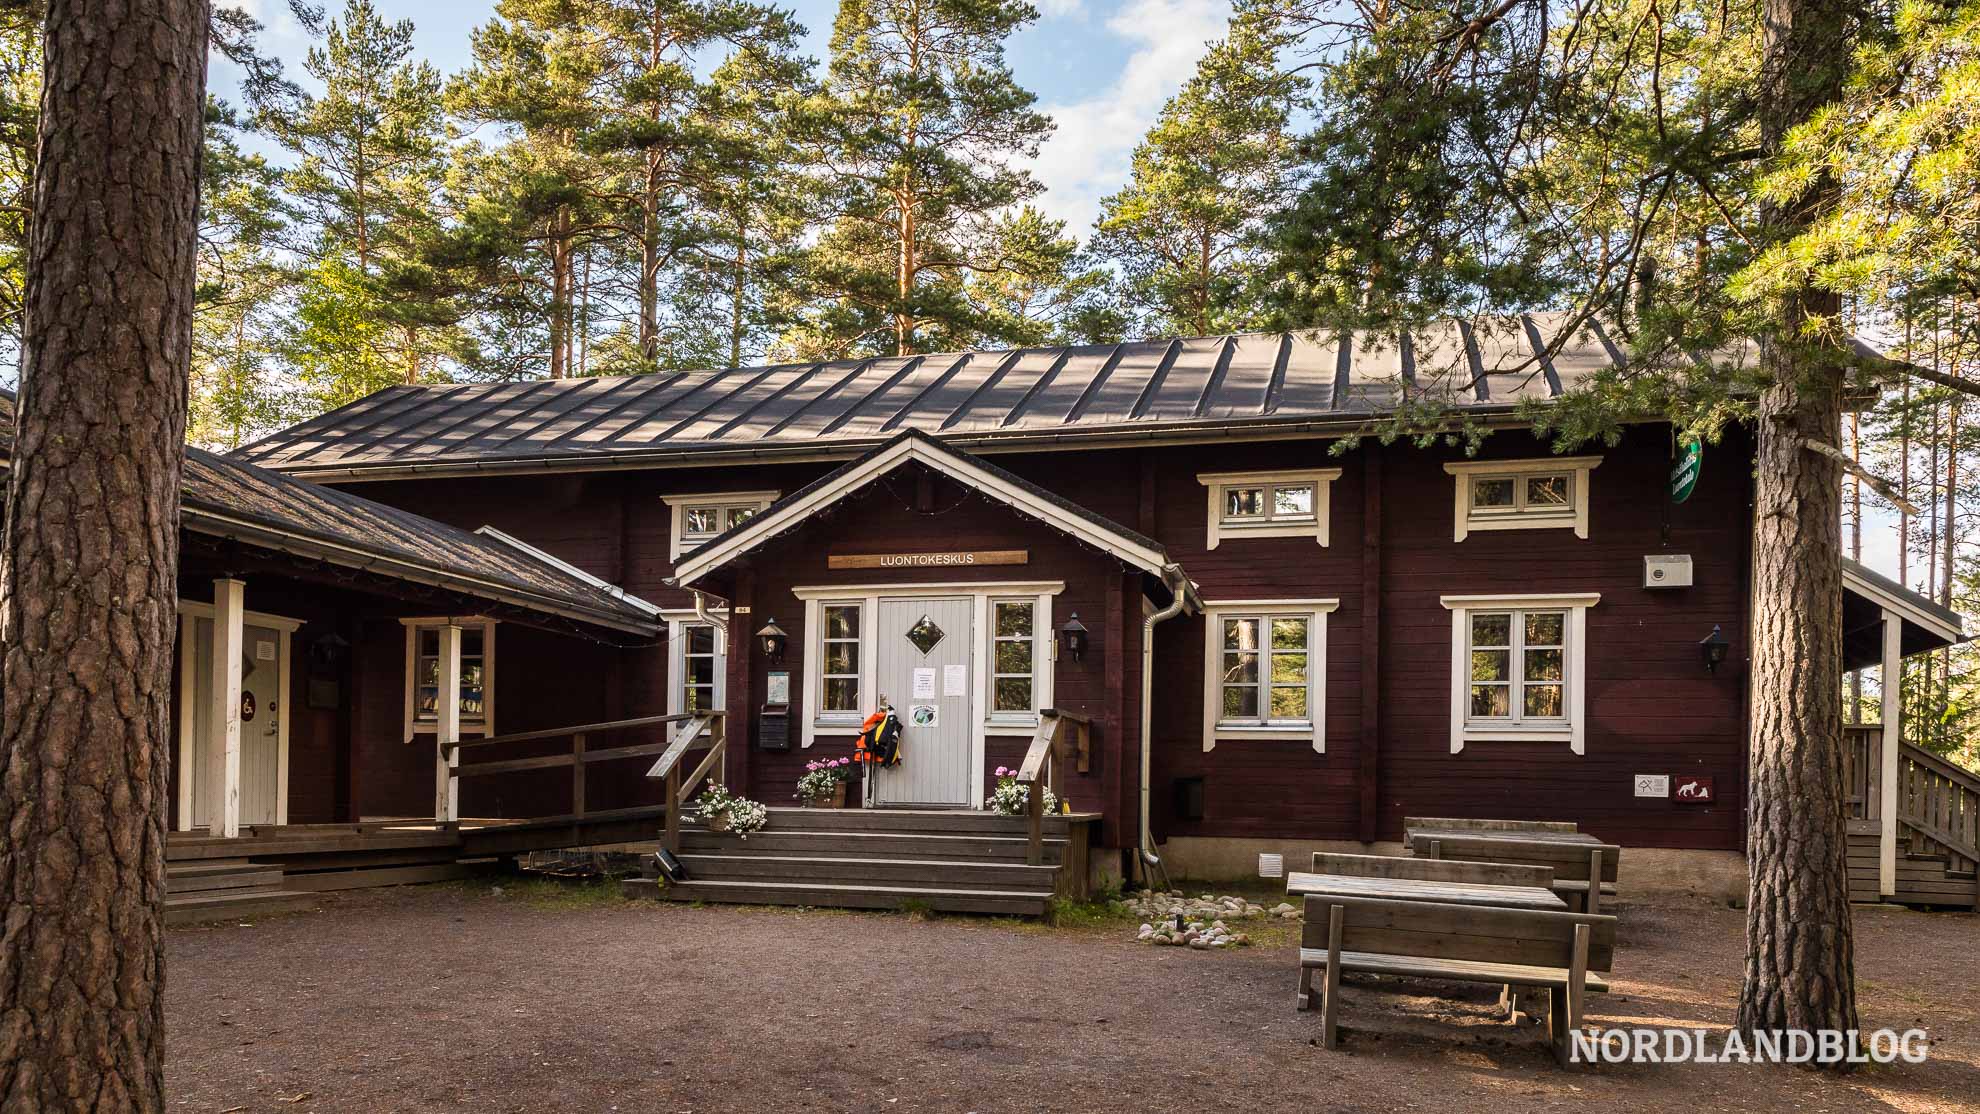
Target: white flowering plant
{"x":822,"y":777}
{"x":1012,"y":797}
{"x":722,"y":810}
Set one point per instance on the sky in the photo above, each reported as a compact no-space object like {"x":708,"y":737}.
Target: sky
{"x":1101,"y":69}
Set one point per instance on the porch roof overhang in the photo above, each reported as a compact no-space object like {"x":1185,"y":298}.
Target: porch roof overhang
{"x":247,"y":506}
{"x":915,"y":447}
{"x":1867,"y":595}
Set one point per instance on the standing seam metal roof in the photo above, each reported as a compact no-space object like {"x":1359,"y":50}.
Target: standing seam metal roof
{"x":1155,"y":386}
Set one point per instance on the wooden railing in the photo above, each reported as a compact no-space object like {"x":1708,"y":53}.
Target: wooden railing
{"x":1862,"y":772}
{"x":1062,"y":738}
{"x":581,"y":753}
{"x":710,"y":725}
{"x":1940,"y":804}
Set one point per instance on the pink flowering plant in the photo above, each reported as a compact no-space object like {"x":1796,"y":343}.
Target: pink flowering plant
{"x":1012,"y":797}
{"x":822,"y":777}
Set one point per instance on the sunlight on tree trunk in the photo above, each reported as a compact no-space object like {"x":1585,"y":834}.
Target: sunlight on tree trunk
{"x":91,"y":561}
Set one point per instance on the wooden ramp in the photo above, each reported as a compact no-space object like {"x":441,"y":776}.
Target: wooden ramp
{"x":945,"y":861}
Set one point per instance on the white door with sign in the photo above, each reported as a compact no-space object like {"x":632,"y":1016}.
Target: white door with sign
{"x":261,"y":723}
{"x":921,"y":644}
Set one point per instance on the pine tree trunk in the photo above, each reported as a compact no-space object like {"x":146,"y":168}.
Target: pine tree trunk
{"x":91,"y":564}
{"x":1800,"y":956}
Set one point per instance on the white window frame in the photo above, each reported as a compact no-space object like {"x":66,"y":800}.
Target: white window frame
{"x":815,"y":722}
{"x":1315,"y":612}
{"x":1574,"y":729}
{"x":1574,"y":516}
{"x":724,"y":501}
{"x":1041,"y":653}
{"x":486,"y":724}
{"x":1315,"y":526}
{"x":678,"y":622}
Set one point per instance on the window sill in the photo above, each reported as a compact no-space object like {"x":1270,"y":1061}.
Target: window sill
{"x":1544,"y":735}
{"x":428,"y":727}
{"x":1274,"y":733}
{"x":1008,"y":722}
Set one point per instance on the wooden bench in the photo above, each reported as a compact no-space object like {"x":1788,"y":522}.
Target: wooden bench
{"x":1445,"y":823}
{"x":1576,"y":866}
{"x":1432,"y":870}
{"x":1561,"y":953}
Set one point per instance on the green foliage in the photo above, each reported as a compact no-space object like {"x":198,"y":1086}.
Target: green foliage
{"x":918,"y":131}
{"x":1218,"y":160}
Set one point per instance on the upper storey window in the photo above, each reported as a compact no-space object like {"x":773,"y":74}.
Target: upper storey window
{"x":1268,"y":504}
{"x":1523,"y":494}
{"x":700,"y":518}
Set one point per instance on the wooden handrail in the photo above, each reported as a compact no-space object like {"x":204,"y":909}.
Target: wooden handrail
{"x":1042,"y":765}
{"x":1940,"y":802}
{"x":669,"y":767}
{"x":581,"y":755}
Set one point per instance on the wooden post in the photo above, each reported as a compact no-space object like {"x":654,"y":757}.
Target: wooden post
{"x":1887,"y":765}
{"x":1034,"y":852}
{"x":447,"y":728}
{"x":577,"y":774}
{"x":223,"y":751}
{"x":1330,"y":992}
{"x":671,"y":838}
{"x":1594,"y":902}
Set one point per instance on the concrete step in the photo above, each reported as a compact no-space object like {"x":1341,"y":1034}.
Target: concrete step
{"x":837,"y":870}
{"x":941,"y":900}
{"x":871,"y":845}
{"x":212,"y":877}
{"x":228,"y":904}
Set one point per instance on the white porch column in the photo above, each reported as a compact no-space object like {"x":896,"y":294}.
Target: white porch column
{"x":223,"y":747}
{"x":1893,"y":717}
{"x":447,"y":727}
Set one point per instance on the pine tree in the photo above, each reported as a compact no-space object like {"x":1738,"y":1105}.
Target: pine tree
{"x":371,"y":148}
{"x":1216,"y":163}
{"x":921,"y":129}
{"x":242,"y":279}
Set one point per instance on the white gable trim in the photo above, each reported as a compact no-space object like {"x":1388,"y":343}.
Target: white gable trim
{"x":919,"y":450}
{"x":1892,"y":601}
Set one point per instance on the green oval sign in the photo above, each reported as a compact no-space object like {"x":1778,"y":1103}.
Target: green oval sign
{"x":1684,"y":474}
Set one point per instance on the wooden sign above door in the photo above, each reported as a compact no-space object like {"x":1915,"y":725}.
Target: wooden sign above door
{"x":961,"y":558}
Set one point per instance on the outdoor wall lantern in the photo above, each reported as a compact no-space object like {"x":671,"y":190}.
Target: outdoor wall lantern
{"x":1713,"y":649}
{"x":773,"y":640}
{"x":1072,"y":636}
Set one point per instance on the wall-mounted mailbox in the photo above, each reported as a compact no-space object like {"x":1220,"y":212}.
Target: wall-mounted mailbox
{"x":773,"y":727}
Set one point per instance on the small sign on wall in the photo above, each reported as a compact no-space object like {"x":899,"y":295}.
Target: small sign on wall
{"x":1653,"y":785}
{"x":1695,"y":790}
{"x":778,"y":689}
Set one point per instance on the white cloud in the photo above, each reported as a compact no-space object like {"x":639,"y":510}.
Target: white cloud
{"x":1087,"y":157}
{"x":1060,"y":9}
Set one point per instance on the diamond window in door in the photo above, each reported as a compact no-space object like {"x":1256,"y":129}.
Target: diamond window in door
{"x":924,"y":634}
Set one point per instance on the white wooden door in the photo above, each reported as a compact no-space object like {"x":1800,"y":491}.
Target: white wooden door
{"x":261,"y":723}
{"x":922,"y":656}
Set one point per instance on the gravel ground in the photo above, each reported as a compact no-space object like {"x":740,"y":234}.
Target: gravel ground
{"x":457,"y":998}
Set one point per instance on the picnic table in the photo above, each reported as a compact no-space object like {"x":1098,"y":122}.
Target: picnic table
{"x":1523,"y":836}
{"x":1411,"y":889}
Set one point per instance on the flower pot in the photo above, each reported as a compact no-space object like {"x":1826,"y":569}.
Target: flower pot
{"x":835,"y":799}
{"x":718,"y":822}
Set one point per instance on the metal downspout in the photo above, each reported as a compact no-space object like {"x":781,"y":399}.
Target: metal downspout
{"x":1182,"y":594}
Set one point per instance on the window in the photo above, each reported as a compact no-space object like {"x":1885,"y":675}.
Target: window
{"x":699,"y":518}
{"x":697,"y":663}
{"x":423,"y":675}
{"x":1516,"y":668}
{"x":1268,"y":504}
{"x":1523,"y":494}
{"x":1014,"y":656}
{"x":1265,"y":675}
{"x":841,"y":639}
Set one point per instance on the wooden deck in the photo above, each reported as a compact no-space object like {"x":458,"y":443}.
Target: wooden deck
{"x":1938,"y":825}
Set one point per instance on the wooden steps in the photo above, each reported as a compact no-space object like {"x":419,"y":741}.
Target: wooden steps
{"x":222,"y":889}
{"x":946,"y":861}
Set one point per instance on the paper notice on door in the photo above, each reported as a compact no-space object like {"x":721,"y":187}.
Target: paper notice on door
{"x":924,"y":684}
{"x":954,"y":677}
{"x":264,"y":651}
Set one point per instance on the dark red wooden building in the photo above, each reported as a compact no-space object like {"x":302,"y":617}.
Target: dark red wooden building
{"x":1293,"y":635}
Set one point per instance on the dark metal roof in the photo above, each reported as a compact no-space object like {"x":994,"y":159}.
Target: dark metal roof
{"x":1200,"y":386}
{"x":230,"y":498}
